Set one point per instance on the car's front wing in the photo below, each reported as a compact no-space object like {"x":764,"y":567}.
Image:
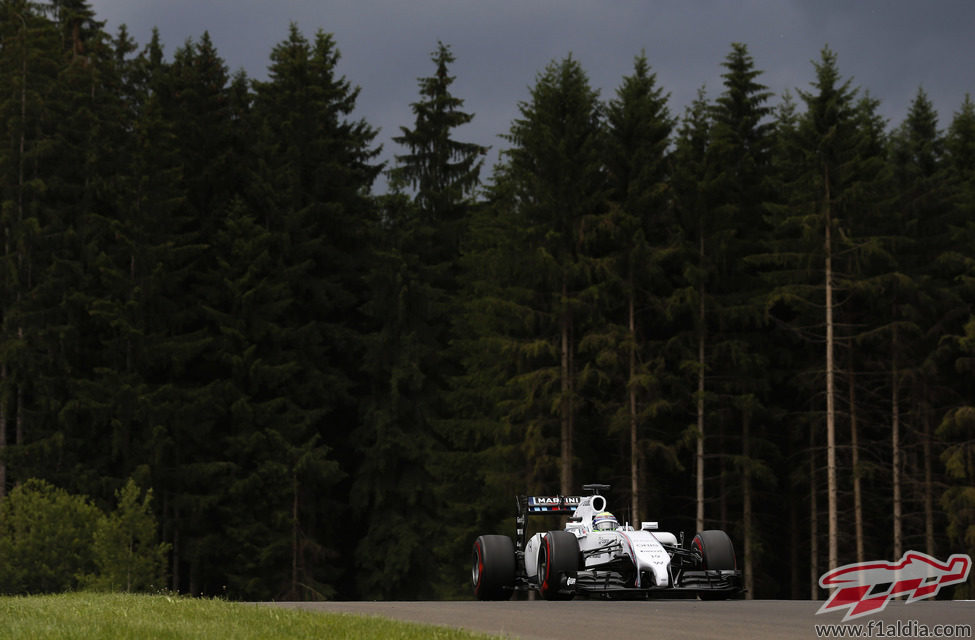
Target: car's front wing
{"x":611,"y":585}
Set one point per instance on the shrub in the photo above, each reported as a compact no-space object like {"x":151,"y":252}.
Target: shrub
{"x":46,"y":539}
{"x":125,"y":546}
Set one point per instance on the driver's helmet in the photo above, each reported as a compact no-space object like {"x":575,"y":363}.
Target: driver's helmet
{"x":604,"y":521}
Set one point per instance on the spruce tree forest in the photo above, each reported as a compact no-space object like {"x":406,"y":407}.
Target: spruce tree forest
{"x":755,"y":314}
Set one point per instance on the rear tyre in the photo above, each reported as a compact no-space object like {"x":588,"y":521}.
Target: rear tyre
{"x":717,"y":552}
{"x":558,"y":559}
{"x":493,"y":568}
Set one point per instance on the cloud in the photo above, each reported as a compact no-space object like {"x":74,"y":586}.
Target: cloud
{"x":889,"y":47}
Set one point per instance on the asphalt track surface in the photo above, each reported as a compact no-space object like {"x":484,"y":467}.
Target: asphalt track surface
{"x":657,"y":619}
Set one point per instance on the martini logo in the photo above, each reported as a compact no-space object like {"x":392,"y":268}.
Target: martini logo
{"x":866,"y":587}
{"x":553,"y":504}
{"x":553,"y":500}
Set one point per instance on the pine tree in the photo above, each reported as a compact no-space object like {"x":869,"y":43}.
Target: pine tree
{"x":405,"y":439}
{"x":140,"y":199}
{"x":198,"y":104}
{"x":834,"y":171}
{"x":957,"y":430}
{"x":741,"y":147}
{"x":928,"y":308}
{"x":639,"y":127}
{"x":960,"y":161}
{"x":443,"y":172}
{"x":28,"y":63}
{"x":500,"y":427}
{"x":827,"y":129}
{"x":786,"y":276}
{"x":860,"y":265}
{"x":312,"y":182}
{"x":172,"y":203}
{"x":56,"y":113}
{"x":957,"y":427}
{"x":278,"y":461}
{"x":96,"y":400}
{"x":693,"y":203}
{"x":25,"y":49}
{"x":559,"y":186}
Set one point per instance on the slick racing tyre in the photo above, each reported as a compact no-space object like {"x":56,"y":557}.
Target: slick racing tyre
{"x":717,"y":552}
{"x":493,"y":570}
{"x":558,"y":559}
{"x":716,"y":549}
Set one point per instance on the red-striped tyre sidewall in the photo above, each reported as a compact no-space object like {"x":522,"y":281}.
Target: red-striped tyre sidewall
{"x":493,"y":567}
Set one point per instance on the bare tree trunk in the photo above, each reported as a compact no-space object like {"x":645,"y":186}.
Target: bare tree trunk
{"x":19,"y":408}
{"x":3,"y":431}
{"x":746,"y":488}
{"x":722,"y":478}
{"x":294,"y":535}
{"x":896,"y":449}
{"x":129,"y":560}
{"x":565,"y":408}
{"x":701,"y":337}
{"x":572,"y":392}
{"x":634,"y":440}
{"x":195,"y":575}
{"x":831,"y":488}
{"x":177,"y":550}
{"x":813,"y":521}
{"x":928,"y":489}
{"x":794,"y":546}
{"x":699,"y":522}
{"x":855,"y":449}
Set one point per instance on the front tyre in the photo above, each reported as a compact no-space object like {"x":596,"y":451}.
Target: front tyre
{"x":558,"y":559}
{"x":717,"y":553}
{"x":715,"y":548}
{"x":493,"y":568}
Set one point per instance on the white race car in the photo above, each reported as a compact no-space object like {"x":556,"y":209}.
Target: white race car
{"x":594,"y":555}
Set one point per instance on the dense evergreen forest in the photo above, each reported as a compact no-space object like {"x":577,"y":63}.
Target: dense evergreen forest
{"x":754,"y":315}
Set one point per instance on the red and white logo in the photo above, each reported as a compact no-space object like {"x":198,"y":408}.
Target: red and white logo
{"x":866,"y":587}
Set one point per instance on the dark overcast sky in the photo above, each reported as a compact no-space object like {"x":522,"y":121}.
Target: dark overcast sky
{"x":888,"y":47}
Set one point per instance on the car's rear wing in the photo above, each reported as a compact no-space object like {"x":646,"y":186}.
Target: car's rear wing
{"x":550,"y":505}
{"x":541,"y":506}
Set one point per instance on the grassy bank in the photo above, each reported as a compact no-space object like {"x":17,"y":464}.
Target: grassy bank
{"x":97,"y":616}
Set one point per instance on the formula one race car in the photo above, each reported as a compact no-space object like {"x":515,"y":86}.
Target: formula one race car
{"x":594,"y":555}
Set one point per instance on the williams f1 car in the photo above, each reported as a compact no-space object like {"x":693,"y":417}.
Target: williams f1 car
{"x":596,"y":556}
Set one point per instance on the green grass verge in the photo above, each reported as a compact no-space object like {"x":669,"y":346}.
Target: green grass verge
{"x":100,"y":616}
